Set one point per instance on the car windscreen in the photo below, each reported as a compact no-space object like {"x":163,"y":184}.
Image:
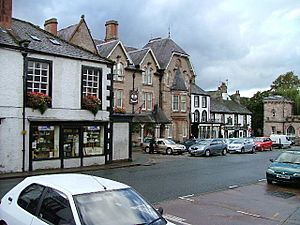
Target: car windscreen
{"x":170,"y":142}
{"x":259,"y":139}
{"x":118,"y":207}
{"x":287,"y":157}
{"x":237,"y":142}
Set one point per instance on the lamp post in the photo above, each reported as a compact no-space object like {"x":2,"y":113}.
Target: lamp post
{"x":24,"y":45}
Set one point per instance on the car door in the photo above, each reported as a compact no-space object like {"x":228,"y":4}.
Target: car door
{"x":24,"y":208}
{"x":161,"y":146}
{"x":214,"y":146}
{"x":55,"y":209}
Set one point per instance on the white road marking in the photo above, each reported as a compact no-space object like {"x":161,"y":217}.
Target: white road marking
{"x":249,"y":214}
{"x":233,"y":186}
{"x":176,"y":219}
{"x":187,"y":197}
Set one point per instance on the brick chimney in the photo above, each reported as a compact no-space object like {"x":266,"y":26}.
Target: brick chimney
{"x":51,"y":26}
{"x":237,"y":96}
{"x":5,"y":13}
{"x":111,"y":30}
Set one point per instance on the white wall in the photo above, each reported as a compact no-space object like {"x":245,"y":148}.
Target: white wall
{"x":120,"y":136}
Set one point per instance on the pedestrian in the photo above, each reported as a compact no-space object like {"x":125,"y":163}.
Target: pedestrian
{"x":151,"y":145}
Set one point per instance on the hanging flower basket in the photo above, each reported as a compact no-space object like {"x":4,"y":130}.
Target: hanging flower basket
{"x":37,"y":100}
{"x":91,"y":103}
{"x":119,"y":110}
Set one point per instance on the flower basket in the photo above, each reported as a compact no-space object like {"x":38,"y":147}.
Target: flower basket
{"x":119,"y":110}
{"x":91,"y":103}
{"x":37,"y":100}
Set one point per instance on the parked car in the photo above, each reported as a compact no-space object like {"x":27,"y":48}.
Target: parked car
{"x":188,"y":143}
{"x":263,"y":143}
{"x":209,"y":147}
{"x":285,"y":168}
{"x":280,"y":141}
{"x":167,"y":146}
{"x":242,"y":146}
{"x":75,"y":199}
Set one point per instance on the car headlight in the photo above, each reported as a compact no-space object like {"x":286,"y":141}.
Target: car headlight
{"x":270,"y":171}
{"x":258,"y":145}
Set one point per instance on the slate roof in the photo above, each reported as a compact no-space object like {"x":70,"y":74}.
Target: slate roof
{"x":105,"y":48}
{"x":21,"y":30}
{"x":156,"y":116}
{"x":195,"y":89}
{"x":178,"y":82}
{"x":277,"y":98}
{"x":138,"y":55}
{"x":66,"y":33}
{"x":163,"y":50}
{"x":227,"y":106}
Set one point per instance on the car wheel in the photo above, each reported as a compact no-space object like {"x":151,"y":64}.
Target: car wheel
{"x":271,"y":148}
{"x":207,"y":153}
{"x":253,"y":150}
{"x":2,"y":223}
{"x":169,"y":151}
{"x":224,"y":151}
{"x":147,"y":150}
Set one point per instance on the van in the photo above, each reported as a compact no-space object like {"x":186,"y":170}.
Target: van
{"x":280,"y":141}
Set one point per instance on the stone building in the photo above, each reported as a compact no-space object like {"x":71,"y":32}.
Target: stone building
{"x":279,"y":118}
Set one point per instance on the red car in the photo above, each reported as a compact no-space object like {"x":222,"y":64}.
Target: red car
{"x":263,"y":143}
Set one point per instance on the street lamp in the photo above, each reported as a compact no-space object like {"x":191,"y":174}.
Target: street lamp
{"x":24,"y":50}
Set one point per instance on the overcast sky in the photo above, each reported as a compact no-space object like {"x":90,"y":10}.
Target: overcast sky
{"x":249,"y":43}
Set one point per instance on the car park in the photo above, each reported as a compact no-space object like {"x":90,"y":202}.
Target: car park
{"x":209,"y":147}
{"x":166,"y":146}
{"x":285,"y":168}
{"x":75,"y":199}
{"x":263,"y":143}
{"x":241,"y":145}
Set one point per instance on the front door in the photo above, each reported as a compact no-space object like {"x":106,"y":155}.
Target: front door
{"x":70,"y":143}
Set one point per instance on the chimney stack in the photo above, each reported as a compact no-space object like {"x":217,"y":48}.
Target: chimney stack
{"x":237,"y":96}
{"x":51,"y":26}
{"x":5,"y":13}
{"x":111,"y":30}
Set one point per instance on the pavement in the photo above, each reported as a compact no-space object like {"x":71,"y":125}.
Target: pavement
{"x":139,"y":158}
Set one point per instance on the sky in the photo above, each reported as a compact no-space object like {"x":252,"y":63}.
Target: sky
{"x":245,"y":43}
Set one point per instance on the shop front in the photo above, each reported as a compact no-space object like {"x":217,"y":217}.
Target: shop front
{"x":67,"y":144}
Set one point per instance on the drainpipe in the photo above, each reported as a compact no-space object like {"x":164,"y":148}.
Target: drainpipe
{"x":24,"y":44}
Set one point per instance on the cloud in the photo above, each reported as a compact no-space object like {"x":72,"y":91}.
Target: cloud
{"x":249,"y":43}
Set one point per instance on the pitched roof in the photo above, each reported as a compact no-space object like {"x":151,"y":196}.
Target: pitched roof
{"x":227,"y":106}
{"x":106,"y":48}
{"x":67,"y":33}
{"x":42,"y":41}
{"x":156,"y":116}
{"x":138,"y":55}
{"x":163,"y":50}
{"x":178,"y":82}
{"x":195,"y":89}
{"x":276,"y":98}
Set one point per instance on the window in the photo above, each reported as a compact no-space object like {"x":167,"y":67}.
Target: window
{"x":204,"y":102}
{"x":175,"y":102}
{"x":93,"y":140}
{"x":147,"y":101}
{"x":30,"y":197}
{"x":245,"y":120}
{"x":184,"y":129}
{"x":168,"y":78}
{"x":273,"y":130}
{"x":71,"y":142}
{"x":147,"y":75}
{"x":119,"y":98}
{"x":45,"y":142}
{"x":236,"y":121}
{"x":55,"y":209}
{"x":196,"y":101}
{"x":229,"y":120}
{"x":183,"y":103}
{"x":118,"y":71}
{"x":39,"y":76}
{"x":204,"y":116}
{"x":196,"y":116}
{"x":91,"y":81}
{"x":273,"y":112}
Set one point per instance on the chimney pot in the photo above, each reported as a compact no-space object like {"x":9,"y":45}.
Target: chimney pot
{"x":5,"y":13}
{"x":51,"y":26}
{"x":111,"y":30}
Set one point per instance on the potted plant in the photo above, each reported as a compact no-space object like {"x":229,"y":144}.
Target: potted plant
{"x":119,"y":110}
{"x":38,"y":100}
{"x":91,"y":103}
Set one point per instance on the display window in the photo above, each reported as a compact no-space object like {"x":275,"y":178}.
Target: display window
{"x":93,"y":140}
{"x":71,"y":142}
{"x":45,"y":140}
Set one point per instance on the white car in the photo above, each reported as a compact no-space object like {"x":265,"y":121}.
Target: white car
{"x":75,"y":199}
{"x":241,"y":145}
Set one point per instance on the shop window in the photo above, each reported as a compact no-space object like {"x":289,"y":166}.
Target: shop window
{"x":93,"y":140}
{"x":45,"y":142}
{"x":71,"y":142}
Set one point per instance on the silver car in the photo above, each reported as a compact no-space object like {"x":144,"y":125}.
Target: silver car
{"x":167,"y":146}
{"x":241,"y":146}
{"x":209,"y":147}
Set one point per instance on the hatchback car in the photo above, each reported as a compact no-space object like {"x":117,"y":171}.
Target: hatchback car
{"x":241,"y":146}
{"x":209,"y":147}
{"x":167,"y":146}
{"x":263,"y":143}
{"x":285,"y":168}
{"x":75,"y":199}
